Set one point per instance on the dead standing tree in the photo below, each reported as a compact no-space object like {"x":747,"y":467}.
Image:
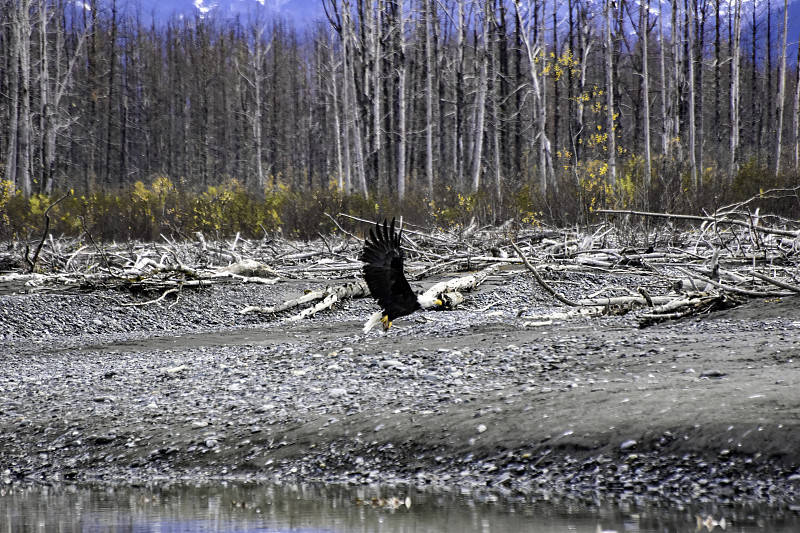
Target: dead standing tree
{"x":527,"y":17}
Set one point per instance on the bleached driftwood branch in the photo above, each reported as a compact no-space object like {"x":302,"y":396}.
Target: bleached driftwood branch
{"x":721,"y":219}
{"x":348,"y":290}
{"x":688,"y":305}
{"x":466,"y":283}
{"x":555,"y":294}
{"x":332,"y":296}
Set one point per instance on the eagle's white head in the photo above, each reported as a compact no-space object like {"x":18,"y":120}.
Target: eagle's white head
{"x":427,"y":301}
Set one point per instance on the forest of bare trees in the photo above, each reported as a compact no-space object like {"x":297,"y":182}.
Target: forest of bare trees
{"x":571,"y":103}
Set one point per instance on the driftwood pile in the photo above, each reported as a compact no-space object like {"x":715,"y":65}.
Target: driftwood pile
{"x":706,"y":262}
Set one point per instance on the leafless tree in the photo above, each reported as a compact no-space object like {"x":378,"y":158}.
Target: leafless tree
{"x":689,"y":29}
{"x":528,"y":16}
{"x":735,"y":82}
{"x":644,"y":26}
{"x":610,"y":122}
{"x":254,"y":75}
{"x":781,"y":100}
{"x":796,"y":113}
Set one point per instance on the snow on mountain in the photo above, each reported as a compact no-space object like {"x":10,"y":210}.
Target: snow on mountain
{"x":299,"y":11}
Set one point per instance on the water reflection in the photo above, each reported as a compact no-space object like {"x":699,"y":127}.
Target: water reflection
{"x":316,"y":508}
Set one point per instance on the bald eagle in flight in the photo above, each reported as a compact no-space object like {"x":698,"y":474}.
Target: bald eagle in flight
{"x":383,"y":272}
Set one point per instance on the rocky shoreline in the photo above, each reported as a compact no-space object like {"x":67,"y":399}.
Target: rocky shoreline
{"x":93,"y":389}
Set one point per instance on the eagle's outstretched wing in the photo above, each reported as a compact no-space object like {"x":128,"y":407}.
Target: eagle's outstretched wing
{"x":383,"y":271}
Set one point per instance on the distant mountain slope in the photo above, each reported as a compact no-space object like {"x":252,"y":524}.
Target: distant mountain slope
{"x":297,"y":10}
{"x":307,"y":11}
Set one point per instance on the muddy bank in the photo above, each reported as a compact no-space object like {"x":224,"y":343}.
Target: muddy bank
{"x":704,"y":408}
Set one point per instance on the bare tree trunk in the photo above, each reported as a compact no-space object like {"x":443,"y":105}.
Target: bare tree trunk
{"x":458,"y":140}
{"x":756,"y":112}
{"x":19,"y":148}
{"x":535,"y":55}
{"x":734,"y":102}
{"x":665,"y":125}
{"x":45,"y":111}
{"x":612,"y":144}
{"x":346,"y":111}
{"x":110,"y":115}
{"x":429,"y":21}
{"x":570,"y":76}
{"x":781,"y":92}
{"x":545,"y":150}
{"x":54,"y":118}
{"x":256,"y":69}
{"x":255,"y":77}
{"x":26,"y":115}
{"x":692,"y":119}
{"x":480,"y":105}
{"x":675,"y":81}
{"x":556,"y":85}
{"x":644,"y":25}
{"x":584,"y":47}
{"x":768,"y":105}
{"x":717,"y":81}
{"x":401,"y":104}
{"x":337,"y":126}
{"x":497,"y":35}
{"x":796,"y":117}
{"x":358,"y":145}
{"x":11,"y":170}
{"x":699,"y":27}
{"x":377,"y":91}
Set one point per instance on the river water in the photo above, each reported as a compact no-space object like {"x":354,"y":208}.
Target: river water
{"x":308,"y":508}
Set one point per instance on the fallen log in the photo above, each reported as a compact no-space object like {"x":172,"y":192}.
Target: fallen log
{"x":348,"y":290}
{"x":464,"y":283}
{"x":447,"y":291}
{"x":332,"y":296}
{"x":737,"y":290}
{"x":776,"y":282}
{"x":688,"y":305}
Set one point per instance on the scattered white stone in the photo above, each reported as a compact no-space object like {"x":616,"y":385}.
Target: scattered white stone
{"x":104,"y":399}
{"x":536,"y":323}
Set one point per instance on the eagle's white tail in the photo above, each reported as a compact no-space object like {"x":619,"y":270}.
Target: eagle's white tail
{"x":373,"y":321}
